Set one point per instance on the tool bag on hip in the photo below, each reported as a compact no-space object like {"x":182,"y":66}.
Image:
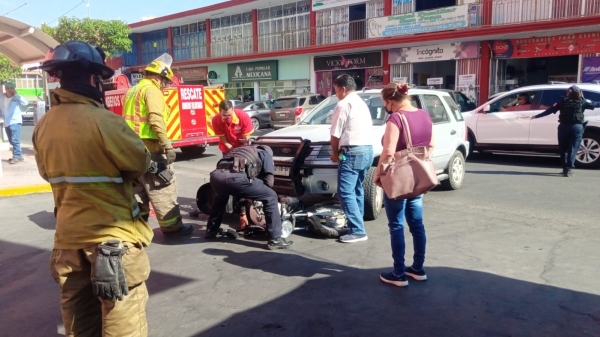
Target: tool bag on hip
{"x":160,"y":172}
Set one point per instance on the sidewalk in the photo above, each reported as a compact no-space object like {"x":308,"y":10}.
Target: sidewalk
{"x":21,"y":178}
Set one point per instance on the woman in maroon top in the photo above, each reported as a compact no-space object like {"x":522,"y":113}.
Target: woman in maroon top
{"x":396,"y":100}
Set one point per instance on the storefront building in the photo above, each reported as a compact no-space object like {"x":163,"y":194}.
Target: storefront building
{"x":451,"y":66}
{"x":365,"y":68}
{"x":262,"y":80}
{"x":540,"y":60}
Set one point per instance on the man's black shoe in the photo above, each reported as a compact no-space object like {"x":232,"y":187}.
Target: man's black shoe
{"x":280,"y":243}
{"x":182,"y":231}
{"x":568,"y":173}
{"x":211,"y":234}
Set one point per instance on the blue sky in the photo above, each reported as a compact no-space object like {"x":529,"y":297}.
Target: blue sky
{"x":35,"y":12}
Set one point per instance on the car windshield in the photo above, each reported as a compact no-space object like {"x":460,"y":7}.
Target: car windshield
{"x":321,"y":115}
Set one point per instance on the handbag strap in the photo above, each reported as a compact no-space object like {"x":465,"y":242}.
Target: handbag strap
{"x":406,"y":131}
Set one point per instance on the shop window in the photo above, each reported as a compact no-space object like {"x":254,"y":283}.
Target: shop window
{"x":231,"y":35}
{"x":515,"y":102}
{"x":284,"y":26}
{"x":435,"y":108}
{"x":403,"y":7}
{"x":189,"y":41}
{"x":433,"y":4}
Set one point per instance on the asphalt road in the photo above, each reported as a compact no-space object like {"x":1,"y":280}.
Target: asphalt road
{"x":514,"y":252}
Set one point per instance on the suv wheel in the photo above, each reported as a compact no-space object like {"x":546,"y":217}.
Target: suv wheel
{"x":588,"y":155}
{"x":455,"y":171}
{"x":373,"y":196}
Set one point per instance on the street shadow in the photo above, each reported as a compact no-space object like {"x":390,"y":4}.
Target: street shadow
{"x":43,"y":219}
{"x":31,"y":298}
{"x":516,"y":173}
{"x":338,"y":300}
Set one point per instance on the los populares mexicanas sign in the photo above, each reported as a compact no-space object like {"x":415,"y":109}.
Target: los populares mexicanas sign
{"x":447,"y":18}
{"x":252,"y":71}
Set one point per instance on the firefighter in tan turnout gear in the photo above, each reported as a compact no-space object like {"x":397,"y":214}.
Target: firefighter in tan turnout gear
{"x":91,"y":158}
{"x":145,"y":111}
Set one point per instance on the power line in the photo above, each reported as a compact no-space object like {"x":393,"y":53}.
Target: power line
{"x":25,"y":4}
{"x":69,"y":11}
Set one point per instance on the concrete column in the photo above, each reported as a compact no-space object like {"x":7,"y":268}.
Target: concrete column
{"x":257,"y":96}
{"x":312,"y":75}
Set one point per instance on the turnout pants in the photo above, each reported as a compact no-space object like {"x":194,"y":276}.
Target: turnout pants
{"x":163,"y":197}
{"x":226,"y":183}
{"x":85,"y":315}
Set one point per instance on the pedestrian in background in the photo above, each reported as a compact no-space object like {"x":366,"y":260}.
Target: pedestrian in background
{"x":10,"y":107}
{"x":146,"y":112}
{"x":91,"y":158}
{"x":232,"y":126}
{"x":351,"y":128}
{"x":397,"y":101}
{"x":570,"y":127}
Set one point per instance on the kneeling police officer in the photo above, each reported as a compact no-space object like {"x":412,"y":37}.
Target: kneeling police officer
{"x":247,"y":172}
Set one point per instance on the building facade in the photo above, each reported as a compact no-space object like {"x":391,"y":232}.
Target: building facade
{"x":261,"y":49}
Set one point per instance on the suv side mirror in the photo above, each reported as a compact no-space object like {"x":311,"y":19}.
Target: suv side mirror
{"x":588,"y":105}
{"x":486,"y":108}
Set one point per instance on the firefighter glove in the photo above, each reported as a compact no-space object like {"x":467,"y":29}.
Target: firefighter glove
{"x":171,"y":155}
{"x":108,"y":279}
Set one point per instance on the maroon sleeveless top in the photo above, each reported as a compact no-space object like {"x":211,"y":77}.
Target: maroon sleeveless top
{"x":420,"y":125}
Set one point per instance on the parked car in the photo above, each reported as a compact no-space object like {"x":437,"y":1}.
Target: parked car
{"x":28,"y":115}
{"x":302,"y":152}
{"x":462,"y":100}
{"x":289,"y":110}
{"x":499,"y":125}
{"x":235,"y":102}
{"x":258,"y":112}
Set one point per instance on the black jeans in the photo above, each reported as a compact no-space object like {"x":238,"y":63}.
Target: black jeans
{"x":569,"y":140}
{"x":226,"y":183}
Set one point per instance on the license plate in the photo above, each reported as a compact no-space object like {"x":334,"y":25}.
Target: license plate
{"x":282,"y":115}
{"x":282,"y":171}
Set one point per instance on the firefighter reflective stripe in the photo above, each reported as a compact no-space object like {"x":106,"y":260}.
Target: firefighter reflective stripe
{"x":85,"y":180}
{"x":134,"y":119}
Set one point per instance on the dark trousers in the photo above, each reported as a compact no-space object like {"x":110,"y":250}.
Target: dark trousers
{"x":569,"y":140}
{"x":226,"y":183}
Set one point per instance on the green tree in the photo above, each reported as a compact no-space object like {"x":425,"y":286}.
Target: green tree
{"x":112,"y":35}
{"x":8,"y":70}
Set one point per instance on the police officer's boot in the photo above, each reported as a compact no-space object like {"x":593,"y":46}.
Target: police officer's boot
{"x":567,"y":173}
{"x":280,"y":243}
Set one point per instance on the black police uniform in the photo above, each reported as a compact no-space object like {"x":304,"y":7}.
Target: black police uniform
{"x":226,"y":181}
{"x":570,"y":128}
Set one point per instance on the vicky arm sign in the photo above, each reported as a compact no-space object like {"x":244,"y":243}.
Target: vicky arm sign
{"x":419,"y":22}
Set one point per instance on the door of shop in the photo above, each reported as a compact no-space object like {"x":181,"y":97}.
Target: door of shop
{"x":438,"y":69}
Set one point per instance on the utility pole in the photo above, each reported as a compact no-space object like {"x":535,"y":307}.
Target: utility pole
{"x":88,"y":7}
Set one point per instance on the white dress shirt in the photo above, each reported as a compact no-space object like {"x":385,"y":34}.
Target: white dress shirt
{"x":351,"y":121}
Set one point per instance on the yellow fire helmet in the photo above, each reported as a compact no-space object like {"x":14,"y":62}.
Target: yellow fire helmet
{"x":162,"y":66}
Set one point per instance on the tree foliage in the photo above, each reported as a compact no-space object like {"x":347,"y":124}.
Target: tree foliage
{"x":111,"y":35}
{"x":8,"y":70}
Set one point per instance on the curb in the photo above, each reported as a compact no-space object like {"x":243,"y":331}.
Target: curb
{"x":22,"y":190}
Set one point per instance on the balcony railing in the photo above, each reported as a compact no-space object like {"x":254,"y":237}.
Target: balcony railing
{"x":518,"y":11}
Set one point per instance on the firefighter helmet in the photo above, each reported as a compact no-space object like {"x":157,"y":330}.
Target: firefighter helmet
{"x":76,"y":55}
{"x":161,"y":66}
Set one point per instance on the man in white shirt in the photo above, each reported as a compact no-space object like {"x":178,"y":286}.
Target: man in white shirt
{"x":10,"y":111}
{"x":351,"y":148}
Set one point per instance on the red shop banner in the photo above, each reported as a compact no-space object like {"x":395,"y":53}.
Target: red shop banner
{"x":560,"y":45}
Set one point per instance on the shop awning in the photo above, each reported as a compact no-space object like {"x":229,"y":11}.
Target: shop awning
{"x":23,"y":43}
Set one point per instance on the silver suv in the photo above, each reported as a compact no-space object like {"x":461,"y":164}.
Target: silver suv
{"x":287,"y":111}
{"x":302,"y":152}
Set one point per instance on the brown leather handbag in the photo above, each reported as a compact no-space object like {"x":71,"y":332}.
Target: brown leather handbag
{"x":410,"y":172}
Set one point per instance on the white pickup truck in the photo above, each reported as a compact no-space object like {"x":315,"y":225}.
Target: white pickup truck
{"x":302,"y":152}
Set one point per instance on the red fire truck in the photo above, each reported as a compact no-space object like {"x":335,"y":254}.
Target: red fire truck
{"x":191,"y":110}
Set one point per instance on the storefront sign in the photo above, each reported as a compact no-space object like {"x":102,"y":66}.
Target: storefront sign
{"x":435,"y":81}
{"x":135,"y":78}
{"x":419,"y":22}
{"x":348,"y":61}
{"x":254,"y":71}
{"x":467,"y":84}
{"x":590,"y":71}
{"x":570,"y":44}
{"x":319,"y":5}
{"x":440,"y":52}
{"x":191,"y":74}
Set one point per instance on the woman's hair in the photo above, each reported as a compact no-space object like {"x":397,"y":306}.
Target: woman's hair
{"x":395,"y":92}
{"x":574,"y":94}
